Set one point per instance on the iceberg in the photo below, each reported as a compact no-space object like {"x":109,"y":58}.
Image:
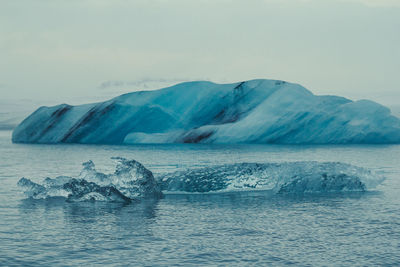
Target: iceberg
{"x":130,"y":181}
{"x":255,"y":111}
{"x":280,"y":178}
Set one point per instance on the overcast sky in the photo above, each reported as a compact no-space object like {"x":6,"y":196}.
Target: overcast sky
{"x":77,"y":51}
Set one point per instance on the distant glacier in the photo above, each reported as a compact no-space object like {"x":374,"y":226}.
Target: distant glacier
{"x":255,"y":111}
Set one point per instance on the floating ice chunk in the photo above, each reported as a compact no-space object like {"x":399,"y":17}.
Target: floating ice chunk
{"x":131,"y":180}
{"x":289,"y":177}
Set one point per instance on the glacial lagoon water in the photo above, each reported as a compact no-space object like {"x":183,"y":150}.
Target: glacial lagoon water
{"x":230,"y":228}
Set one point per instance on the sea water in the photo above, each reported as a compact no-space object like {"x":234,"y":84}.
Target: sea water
{"x":226,"y":228}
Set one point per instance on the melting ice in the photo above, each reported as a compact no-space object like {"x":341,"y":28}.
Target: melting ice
{"x":131,"y":180}
{"x":288,"y":177}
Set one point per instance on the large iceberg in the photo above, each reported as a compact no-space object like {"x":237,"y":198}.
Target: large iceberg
{"x":256,"y":111}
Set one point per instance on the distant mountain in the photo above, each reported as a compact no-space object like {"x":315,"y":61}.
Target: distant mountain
{"x":256,"y":111}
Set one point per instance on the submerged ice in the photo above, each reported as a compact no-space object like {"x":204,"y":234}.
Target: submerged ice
{"x":131,"y":180}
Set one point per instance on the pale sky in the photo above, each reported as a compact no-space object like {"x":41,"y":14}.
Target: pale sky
{"x":74,"y":51}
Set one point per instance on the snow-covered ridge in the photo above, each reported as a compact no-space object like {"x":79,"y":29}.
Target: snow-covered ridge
{"x":256,"y":111}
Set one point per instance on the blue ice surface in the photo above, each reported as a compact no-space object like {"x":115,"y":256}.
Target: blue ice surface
{"x":255,"y":111}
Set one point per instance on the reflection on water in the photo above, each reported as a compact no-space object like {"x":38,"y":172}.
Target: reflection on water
{"x":78,"y":212}
{"x":146,"y":208}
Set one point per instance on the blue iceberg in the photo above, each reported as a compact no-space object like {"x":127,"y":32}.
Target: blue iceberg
{"x":256,"y":111}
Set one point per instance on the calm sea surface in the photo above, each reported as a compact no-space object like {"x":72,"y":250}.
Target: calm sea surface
{"x":228,"y":229}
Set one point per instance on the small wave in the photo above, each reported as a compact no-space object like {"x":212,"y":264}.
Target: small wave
{"x":131,"y":180}
{"x":289,"y":177}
